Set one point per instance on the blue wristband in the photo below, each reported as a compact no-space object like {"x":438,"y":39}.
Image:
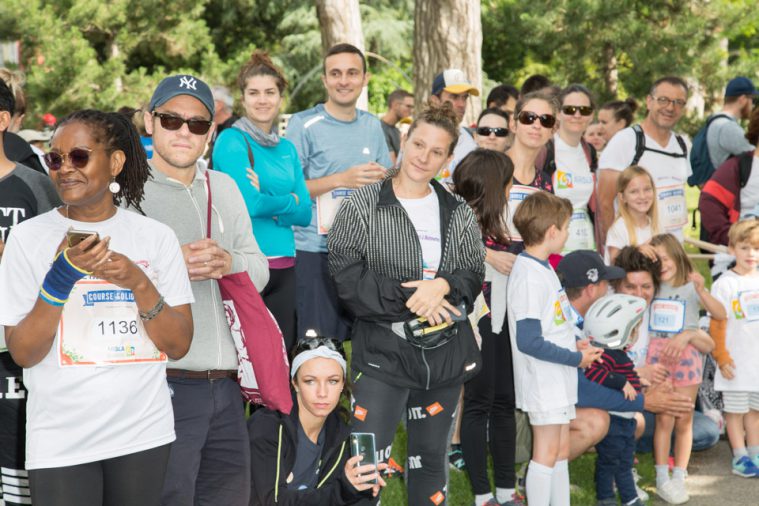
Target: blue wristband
{"x":60,"y":280}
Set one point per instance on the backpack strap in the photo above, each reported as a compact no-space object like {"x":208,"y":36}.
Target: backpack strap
{"x":591,"y":154}
{"x":745,"y":162}
{"x":546,"y":160}
{"x":640,"y":144}
{"x":682,"y":144}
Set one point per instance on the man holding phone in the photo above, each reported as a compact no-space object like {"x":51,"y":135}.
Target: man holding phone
{"x":210,"y":459}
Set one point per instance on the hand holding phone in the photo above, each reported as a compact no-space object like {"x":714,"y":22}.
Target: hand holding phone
{"x":74,"y":237}
{"x":363,"y":445}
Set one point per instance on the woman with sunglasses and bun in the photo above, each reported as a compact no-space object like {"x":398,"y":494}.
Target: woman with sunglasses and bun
{"x":533,"y":125}
{"x":571,"y":163}
{"x":304,"y":458}
{"x":276,"y":195}
{"x":493,"y":130}
{"x":407,"y":259}
{"x":94,"y":300}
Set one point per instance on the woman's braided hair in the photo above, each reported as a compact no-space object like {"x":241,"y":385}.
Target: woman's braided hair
{"x":116,"y":132}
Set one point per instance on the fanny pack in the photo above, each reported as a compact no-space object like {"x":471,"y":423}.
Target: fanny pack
{"x":420,"y":335}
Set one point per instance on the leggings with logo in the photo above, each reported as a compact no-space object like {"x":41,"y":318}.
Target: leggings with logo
{"x":377,"y":408}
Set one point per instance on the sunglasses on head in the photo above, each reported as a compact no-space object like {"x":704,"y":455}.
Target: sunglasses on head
{"x":528,"y":118}
{"x":570,"y":110}
{"x":172,"y":122}
{"x":497,"y":131}
{"x":311,"y":343}
{"x":77,"y":157}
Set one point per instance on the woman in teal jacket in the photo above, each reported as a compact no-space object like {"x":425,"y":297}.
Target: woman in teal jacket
{"x":267,"y":169}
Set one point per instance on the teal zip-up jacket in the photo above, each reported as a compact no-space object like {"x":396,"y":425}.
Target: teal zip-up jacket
{"x":273,"y":210}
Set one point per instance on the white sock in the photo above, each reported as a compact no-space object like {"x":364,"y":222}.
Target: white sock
{"x":662,"y":475}
{"x":753,"y":451}
{"x":480,"y":500}
{"x":740,"y":452}
{"x":538,"y":484}
{"x":678,"y":473}
{"x":504,"y":494}
{"x":560,"y":484}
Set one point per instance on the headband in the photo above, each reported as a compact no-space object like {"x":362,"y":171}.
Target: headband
{"x":320,"y":352}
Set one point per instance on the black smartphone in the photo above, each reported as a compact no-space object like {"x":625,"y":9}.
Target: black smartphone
{"x":362,"y":443}
{"x":74,"y":237}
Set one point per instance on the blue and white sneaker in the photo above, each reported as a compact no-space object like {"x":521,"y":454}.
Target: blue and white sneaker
{"x":745,"y":467}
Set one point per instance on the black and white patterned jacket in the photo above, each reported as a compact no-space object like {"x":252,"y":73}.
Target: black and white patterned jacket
{"x":373,"y":248}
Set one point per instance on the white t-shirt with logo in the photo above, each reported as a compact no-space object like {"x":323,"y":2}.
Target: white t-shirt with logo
{"x":424,"y":213}
{"x":670,"y":174}
{"x":740,"y":296}
{"x":534,"y":292}
{"x":573,"y":180}
{"x":79,"y":414}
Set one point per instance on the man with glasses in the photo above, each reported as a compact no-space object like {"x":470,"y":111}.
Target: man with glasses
{"x":400,"y":105}
{"x":453,"y":87}
{"x":209,"y":462}
{"x":341,"y":148}
{"x":654,"y":146}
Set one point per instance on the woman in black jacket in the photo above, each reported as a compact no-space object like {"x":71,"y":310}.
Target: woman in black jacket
{"x":304,"y":458}
{"x":401,"y":250}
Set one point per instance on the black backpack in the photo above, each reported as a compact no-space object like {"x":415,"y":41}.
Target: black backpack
{"x":640,"y":146}
{"x":700,"y":160}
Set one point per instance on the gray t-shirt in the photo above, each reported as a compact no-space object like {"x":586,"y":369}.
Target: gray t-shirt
{"x":307,"y":459}
{"x":392,"y":137}
{"x":686,"y":293}
{"x":725,"y":138}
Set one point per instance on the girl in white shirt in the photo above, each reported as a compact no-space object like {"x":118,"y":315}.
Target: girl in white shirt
{"x":637,"y":216}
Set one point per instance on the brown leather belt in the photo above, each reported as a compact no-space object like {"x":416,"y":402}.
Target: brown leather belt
{"x":206,"y":375}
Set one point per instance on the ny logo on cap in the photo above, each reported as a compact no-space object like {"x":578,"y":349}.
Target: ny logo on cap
{"x":188,"y":82}
{"x":592,"y":275}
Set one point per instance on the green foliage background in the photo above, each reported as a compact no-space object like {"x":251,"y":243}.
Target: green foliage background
{"x":89,"y":53}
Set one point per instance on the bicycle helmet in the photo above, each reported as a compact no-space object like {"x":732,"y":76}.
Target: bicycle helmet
{"x":611,"y":320}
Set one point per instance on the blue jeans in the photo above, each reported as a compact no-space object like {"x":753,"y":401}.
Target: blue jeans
{"x":209,"y":463}
{"x":705,"y":433}
{"x":615,"y":461}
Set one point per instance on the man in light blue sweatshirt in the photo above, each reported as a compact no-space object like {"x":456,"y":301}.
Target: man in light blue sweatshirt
{"x":341,"y":148}
{"x":209,"y":462}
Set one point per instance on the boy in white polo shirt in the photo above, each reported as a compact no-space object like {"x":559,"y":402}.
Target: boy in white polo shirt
{"x":546,"y":355}
{"x":737,"y":353}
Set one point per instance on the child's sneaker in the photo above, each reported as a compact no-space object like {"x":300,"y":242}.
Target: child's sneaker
{"x":642,"y":494}
{"x":673,"y":492}
{"x":745,"y":467}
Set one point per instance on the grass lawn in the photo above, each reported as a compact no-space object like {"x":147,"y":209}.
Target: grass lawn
{"x":581,"y":470}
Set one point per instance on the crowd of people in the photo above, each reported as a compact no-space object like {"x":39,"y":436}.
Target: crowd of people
{"x":525,"y":271}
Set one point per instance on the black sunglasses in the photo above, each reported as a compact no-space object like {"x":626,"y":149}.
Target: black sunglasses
{"x":77,"y":157}
{"x":498,"y":131}
{"x":528,"y":118}
{"x":311,"y":343}
{"x":171,"y":122}
{"x":570,"y":110}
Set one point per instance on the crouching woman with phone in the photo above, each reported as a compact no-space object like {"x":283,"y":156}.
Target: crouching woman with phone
{"x":304,"y":458}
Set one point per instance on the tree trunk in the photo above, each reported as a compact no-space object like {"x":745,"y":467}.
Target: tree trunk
{"x":340,"y":21}
{"x":611,"y":75}
{"x":447,"y":34}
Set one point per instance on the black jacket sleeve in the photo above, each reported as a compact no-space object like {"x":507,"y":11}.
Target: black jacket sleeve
{"x":466,"y":279}
{"x":367,"y":294}
{"x":264,"y":442}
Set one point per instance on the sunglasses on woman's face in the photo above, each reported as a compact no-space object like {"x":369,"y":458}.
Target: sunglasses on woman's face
{"x":497,"y":131}
{"x":528,"y":118}
{"x":77,"y":158}
{"x":172,"y":122}
{"x":570,"y":110}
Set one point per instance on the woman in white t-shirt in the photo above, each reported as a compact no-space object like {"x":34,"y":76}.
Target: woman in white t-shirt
{"x":94,"y":299}
{"x":571,"y":172}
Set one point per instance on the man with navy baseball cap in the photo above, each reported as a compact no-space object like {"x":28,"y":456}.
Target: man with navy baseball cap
{"x":725,"y":136}
{"x":209,"y":462}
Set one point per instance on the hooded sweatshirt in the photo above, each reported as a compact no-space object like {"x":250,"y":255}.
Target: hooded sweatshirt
{"x":185,"y":210}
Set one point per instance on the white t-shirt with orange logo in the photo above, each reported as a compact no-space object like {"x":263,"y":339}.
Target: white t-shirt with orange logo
{"x":534,"y":292}
{"x":573,"y":180}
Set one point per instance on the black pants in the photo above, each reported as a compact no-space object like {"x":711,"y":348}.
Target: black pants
{"x":616,"y":453}
{"x":316,"y":298}
{"x":489,"y":411}
{"x":279,"y":297}
{"x":129,"y":480}
{"x":12,"y":433}
{"x":377,"y":408}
